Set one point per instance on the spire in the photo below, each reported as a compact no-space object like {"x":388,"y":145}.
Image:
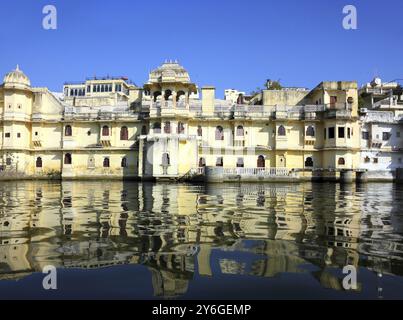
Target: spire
{"x":17,"y":68}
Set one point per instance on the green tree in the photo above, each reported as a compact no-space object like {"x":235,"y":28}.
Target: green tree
{"x":274,"y":85}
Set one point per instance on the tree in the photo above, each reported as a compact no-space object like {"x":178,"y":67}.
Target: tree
{"x":361,"y":102}
{"x":274,"y":85}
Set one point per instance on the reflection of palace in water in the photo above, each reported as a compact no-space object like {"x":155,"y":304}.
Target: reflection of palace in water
{"x":175,"y":229}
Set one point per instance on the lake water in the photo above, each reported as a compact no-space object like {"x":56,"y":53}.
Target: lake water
{"x":162,"y":241}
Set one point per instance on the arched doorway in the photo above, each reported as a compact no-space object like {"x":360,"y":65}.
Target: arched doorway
{"x":261,"y":162}
{"x":67,"y":158}
{"x":202,"y":162}
{"x":309,"y":162}
{"x":156,"y":95}
{"x":167,"y":94}
{"x":105,"y":131}
{"x":39,"y":162}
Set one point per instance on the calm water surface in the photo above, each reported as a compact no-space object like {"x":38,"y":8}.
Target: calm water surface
{"x":164,"y":241}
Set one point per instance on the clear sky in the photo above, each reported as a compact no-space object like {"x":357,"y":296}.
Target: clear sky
{"x":226,"y":43}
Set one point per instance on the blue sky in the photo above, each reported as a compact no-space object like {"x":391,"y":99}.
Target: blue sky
{"x":226,"y":43}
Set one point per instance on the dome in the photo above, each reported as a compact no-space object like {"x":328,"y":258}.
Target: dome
{"x":16,"y":78}
{"x":376,"y":82}
{"x":170,"y":71}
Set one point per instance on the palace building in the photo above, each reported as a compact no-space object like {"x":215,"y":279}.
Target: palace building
{"x":170,"y":129}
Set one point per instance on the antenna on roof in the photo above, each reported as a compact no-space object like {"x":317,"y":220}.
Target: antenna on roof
{"x":376,"y":75}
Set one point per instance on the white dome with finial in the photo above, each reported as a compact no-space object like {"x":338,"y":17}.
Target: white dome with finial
{"x":376,"y":82}
{"x":16,"y":78}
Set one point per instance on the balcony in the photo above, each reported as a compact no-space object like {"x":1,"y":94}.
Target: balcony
{"x":311,"y":116}
{"x":338,"y":114}
{"x":239,"y":143}
{"x":16,"y":116}
{"x":105,"y":141}
{"x":99,"y":115}
{"x":309,"y":141}
{"x":338,"y":110}
{"x":37,"y":141}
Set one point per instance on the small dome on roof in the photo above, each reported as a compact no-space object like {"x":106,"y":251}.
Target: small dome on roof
{"x":16,"y":78}
{"x":376,"y":82}
{"x":169,"y":71}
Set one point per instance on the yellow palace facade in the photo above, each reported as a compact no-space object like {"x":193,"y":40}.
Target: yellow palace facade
{"x":169,"y":129}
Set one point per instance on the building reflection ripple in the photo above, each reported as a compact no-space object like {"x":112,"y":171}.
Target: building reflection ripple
{"x":174,"y":229}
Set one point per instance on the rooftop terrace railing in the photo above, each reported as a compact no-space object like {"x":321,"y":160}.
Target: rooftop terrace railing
{"x":100,"y":115}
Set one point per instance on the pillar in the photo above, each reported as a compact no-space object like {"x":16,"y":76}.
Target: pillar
{"x":399,"y":175}
{"x":346,"y":176}
{"x":361,"y":177}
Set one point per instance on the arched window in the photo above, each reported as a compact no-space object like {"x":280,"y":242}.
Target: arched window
{"x":167,"y":95}
{"x":219,"y":162}
{"x":240,"y":99}
{"x":67,"y":158}
{"x":144,"y":130}
{"x":179,"y":94}
{"x":239,"y":163}
{"x":67,"y":131}
{"x":199,"y":131}
{"x":219,"y":133}
{"x":124,"y":133}
{"x":202,"y":162}
{"x":165,"y":159}
{"x":167,"y":127}
{"x":239,"y":131}
{"x":281,"y":130}
{"x":310,"y":131}
{"x":105,"y":131}
{"x":156,"y":95}
{"x":309,"y":162}
{"x":341,"y":162}
{"x":106,"y":163}
{"x":39,"y":162}
{"x":123,"y":163}
{"x":261,"y":162}
{"x":181,"y":128}
{"x":157,"y":127}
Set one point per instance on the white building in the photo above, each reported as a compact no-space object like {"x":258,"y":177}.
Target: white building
{"x":233,"y":95}
{"x":381,"y":129}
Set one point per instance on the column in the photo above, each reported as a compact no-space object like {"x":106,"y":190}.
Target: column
{"x":174,"y":99}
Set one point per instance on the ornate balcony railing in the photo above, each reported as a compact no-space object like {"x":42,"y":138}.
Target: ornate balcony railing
{"x":265,"y":172}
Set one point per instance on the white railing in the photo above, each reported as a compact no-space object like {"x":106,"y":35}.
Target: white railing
{"x":314,"y":108}
{"x":197,"y":171}
{"x":200,"y":170}
{"x":265,"y":172}
{"x":380,"y":116}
